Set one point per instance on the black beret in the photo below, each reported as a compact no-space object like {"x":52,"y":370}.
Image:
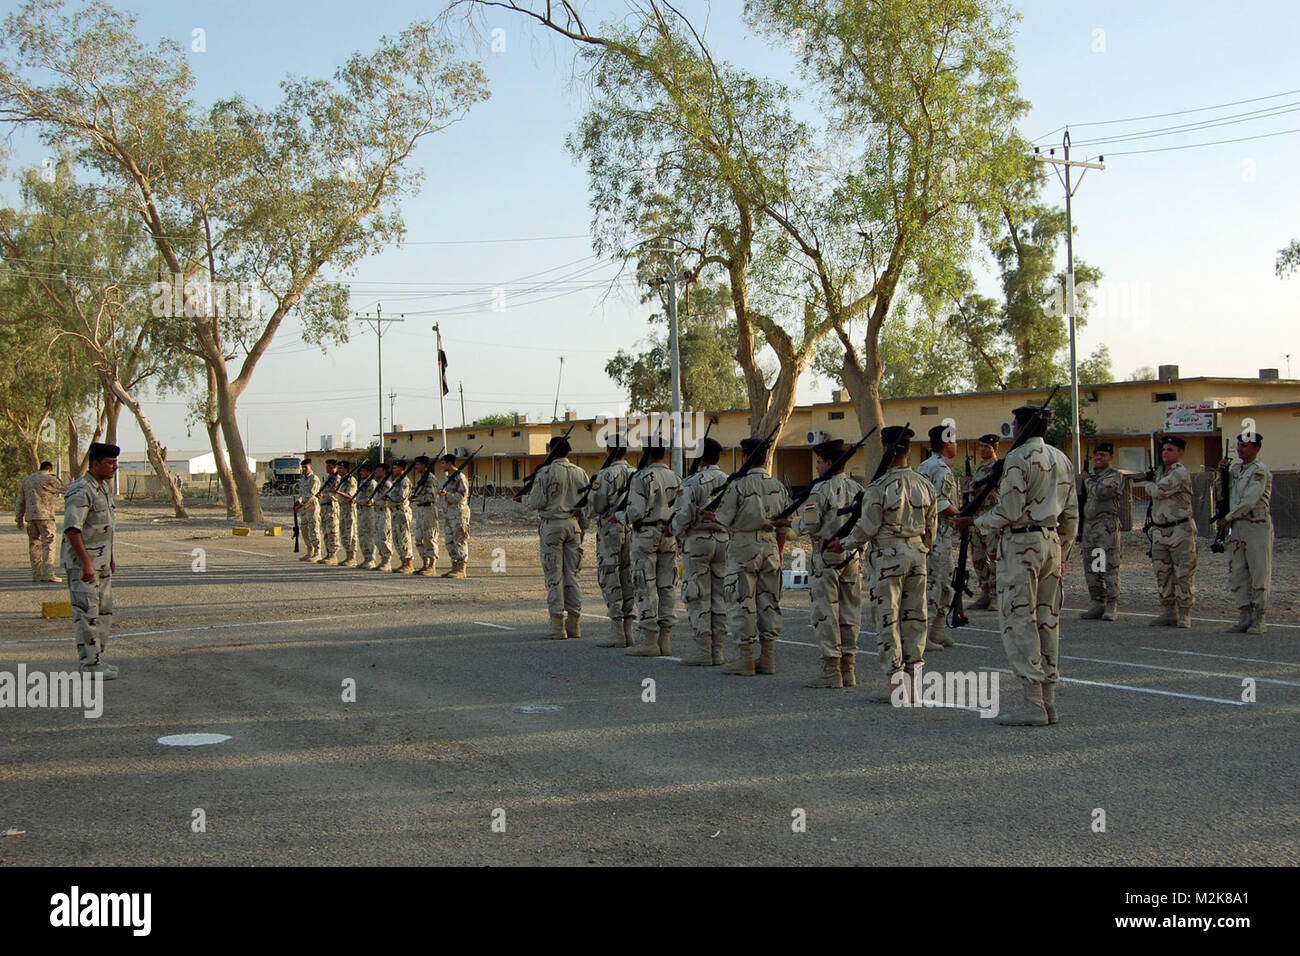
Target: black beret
{"x":559,"y":444}
{"x":712,"y":448}
{"x":1024,"y":412}
{"x":937,"y":434}
{"x":895,"y":433}
{"x":989,"y":439}
{"x":331,"y":461}
{"x":1107,"y":447}
{"x":306,"y":461}
{"x":1255,"y":438}
{"x":399,"y":462}
{"x":1175,"y":440}
{"x":830,"y":449}
{"x":420,"y":460}
{"x":450,"y":458}
{"x":747,"y":445}
{"x":100,"y":450}
{"x":366,"y":466}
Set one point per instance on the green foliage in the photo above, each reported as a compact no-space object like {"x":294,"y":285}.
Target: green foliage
{"x":496,"y":419}
{"x":1061,"y":429}
{"x":1288,"y":260}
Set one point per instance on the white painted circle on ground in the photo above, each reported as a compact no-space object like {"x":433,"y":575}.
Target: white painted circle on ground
{"x":193,"y":740}
{"x":537,"y":708}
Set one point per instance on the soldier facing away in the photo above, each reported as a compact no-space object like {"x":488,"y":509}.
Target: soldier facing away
{"x":454,"y":499}
{"x":1101,"y":551}
{"x":704,"y":559}
{"x":652,"y":493}
{"x":34,"y":511}
{"x":87,"y":557}
{"x":1173,"y":535}
{"x":613,"y":562}
{"x":307,"y":505}
{"x":554,"y":495}
{"x":1250,"y":534}
{"x":938,"y":566}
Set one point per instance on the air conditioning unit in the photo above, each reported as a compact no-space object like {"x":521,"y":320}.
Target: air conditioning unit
{"x":1007,"y":430}
{"x":794,"y":581}
{"x":816,"y":438}
{"x":461,"y":452}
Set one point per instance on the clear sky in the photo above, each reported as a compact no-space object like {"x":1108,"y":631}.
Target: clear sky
{"x":1186,"y":237}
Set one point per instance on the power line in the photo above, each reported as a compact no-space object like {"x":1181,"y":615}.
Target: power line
{"x":1217,"y":142}
{"x":1194,"y":127}
{"x":1199,"y":109}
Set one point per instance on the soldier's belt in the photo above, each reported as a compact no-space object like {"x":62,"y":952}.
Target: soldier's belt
{"x":1030,"y":527}
{"x":423,"y":504}
{"x":885,"y":540}
{"x":1170,"y":524}
{"x":644,"y":525}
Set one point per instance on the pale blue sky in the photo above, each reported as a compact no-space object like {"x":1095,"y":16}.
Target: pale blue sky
{"x":1186,"y":238}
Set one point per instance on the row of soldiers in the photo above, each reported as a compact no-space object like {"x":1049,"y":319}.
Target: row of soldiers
{"x":369,"y":512}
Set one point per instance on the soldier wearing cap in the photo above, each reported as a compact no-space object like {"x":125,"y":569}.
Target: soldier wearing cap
{"x":308,"y":505}
{"x":1105,"y":489}
{"x":938,"y":570}
{"x":329,"y":516}
{"x":345,"y":490}
{"x":1036,"y":511}
{"x":1173,"y":535}
{"x":383,"y":517}
{"x":613,"y":562}
{"x":423,"y":496}
{"x":899,"y":524}
{"x":398,"y":501}
{"x":753,"y":580}
{"x":1250,"y":534}
{"x":984,"y":548}
{"x":554,"y":495}
{"x":704,"y":558}
{"x":34,"y":510}
{"x":652,"y":492}
{"x":454,"y":499}
{"x":87,"y":557}
{"x":365,"y":515}
{"x":835,"y":580}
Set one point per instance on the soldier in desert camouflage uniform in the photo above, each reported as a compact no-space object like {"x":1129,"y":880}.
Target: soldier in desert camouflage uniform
{"x":652,"y":492}
{"x":424,"y":494}
{"x":38,"y":498}
{"x":704,"y":559}
{"x":554,"y":495}
{"x":1250,"y":538}
{"x":87,"y":557}
{"x":613,"y":537}
{"x":1173,"y":535}
{"x":984,"y":550}
{"x":454,"y":499}
{"x":939,"y":563}
{"x":398,"y":500}
{"x":835,"y":581}
{"x":308,"y":505}
{"x":383,"y":518}
{"x":329,"y":516}
{"x":344,"y":496}
{"x":365,"y":516}
{"x":1101,"y":551}
{"x":753,"y":580}
{"x":899,"y":522}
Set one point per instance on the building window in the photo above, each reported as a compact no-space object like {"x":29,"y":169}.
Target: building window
{"x":1165,"y":397}
{"x":471,"y":436}
{"x":836,"y":416}
{"x":514,"y":434}
{"x":515,"y":468}
{"x":929,"y":409}
{"x":411,"y":437}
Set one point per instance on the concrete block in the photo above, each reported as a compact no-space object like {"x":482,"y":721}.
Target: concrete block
{"x":239,"y":532}
{"x":52,"y":609}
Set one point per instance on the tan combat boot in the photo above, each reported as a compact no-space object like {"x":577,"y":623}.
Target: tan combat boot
{"x":1244,"y":615}
{"x":1111,"y":611}
{"x":457,"y":570}
{"x":383,"y":564}
{"x":423,"y":569}
{"x":616,"y":635}
{"x":939,"y":636}
{"x":331,"y":558}
{"x":573,"y":624}
{"x":1096,"y":605}
{"x":647,"y":643}
{"x":311,"y":555}
{"x":1167,"y":617}
{"x":847,"y":677}
{"x":1049,"y":702}
{"x":629,"y":631}
{"x":766,"y":663}
{"x":718,"y":642}
{"x":743,"y":665}
{"x":557,"y":627}
{"x":830,"y":675}
{"x":350,"y":561}
{"x":884,"y":693}
{"x":1184,"y":615}
{"x":665,"y":642}
{"x":1257,"y":625}
{"x":701,"y":651}
{"x":1031,"y":712}
{"x":982,"y":602}
{"x":408,"y":567}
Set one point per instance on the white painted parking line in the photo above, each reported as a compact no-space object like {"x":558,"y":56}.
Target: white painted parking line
{"x":268,"y":622}
{"x":982,"y":630}
{"x":1136,"y":690}
{"x":981,"y":647}
{"x":782,"y":640}
{"x":1182,"y":670}
{"x":499,"y":627}
{"x":1206,"y":620}
{"x":260,"y":554}
{"x":1226,"y":657}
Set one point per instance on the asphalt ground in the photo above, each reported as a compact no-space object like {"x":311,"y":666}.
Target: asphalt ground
{"x":474,"y":740}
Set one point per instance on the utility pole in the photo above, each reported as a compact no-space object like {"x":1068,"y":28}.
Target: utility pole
{"x":392,"y":420}
{"x":555,"y":412}
{"x":1069,"y":165}
{"x":376,"y":322}
{"x":462,"y":404}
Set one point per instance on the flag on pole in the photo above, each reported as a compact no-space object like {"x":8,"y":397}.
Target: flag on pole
{"x":442,"y":364}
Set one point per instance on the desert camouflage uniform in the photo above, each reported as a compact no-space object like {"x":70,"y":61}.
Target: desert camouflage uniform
{"x":1173,"y":538}
{"x":984,"y":548}
{"x":939,"y":563}
{"x":653,"y":554}
{"x":398,"y":502}
{"x":753,"y":579}
{"x":554,"y":495}
{"x":899,"y":522}
{"x":835,"y":580}
{"x":38,"y":496}
{"x":347,"y":512}
{"x":1101,"y":532}
{"x":1250,"y":536}
{"x":88,"y":508}
{"x":383,"y":522}
{"x":455,"y":518}
{"x":424,"y":495}
{"x":366,"y":521}
{"x":329,"y":515}
{"x":309,"y":511}
{"x":1036,"y":502}
{"x":704,"y":560}
{"x":613,"y":563}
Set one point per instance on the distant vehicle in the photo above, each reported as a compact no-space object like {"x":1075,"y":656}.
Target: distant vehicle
{"x":282,"y":475}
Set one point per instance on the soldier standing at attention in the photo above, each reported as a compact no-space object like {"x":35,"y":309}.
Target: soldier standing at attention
{"x":454,"y":496}
{"x":38,"y":496}
{"x":899,"y":523}
{"x":329,"y":516}
{"x":399,"y":502}
{"x":344,"y":496}
{"x":554,"y":495}
{"x":704,"y":558}
{"x":1101,"y":535}
{"x":938,"y":566}
{"x":383,"y":519}
{"x":612,"y":544}
{"x":753,"y":581}
{"x":1034,"y":516}
{"x":984,"y":550}
{"x":309,"y":506}
{"x":1173,"y":535}
{"x":423,"y":494}
{"x":365,"y":515}
{"x":87,"y":557}
{"x":653,"y":552}
{"x":1250,"y":540}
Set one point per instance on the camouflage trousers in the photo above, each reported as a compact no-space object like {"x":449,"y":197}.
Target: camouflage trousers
{"x":455,"y":532}
{"x":1173,"y":558}
{"x":938,"y":576}
{"x":653,"y":564}
{"x":984,"y":556}
{"x":426,"y":531}
{"x":309,"y":527}
{"x":1101,"y":559}
{"x":898,"y":595}
{"x":402,"y":533}
{"x":40,"y":549}
{"x":92,"y":613}
{"x":613,"y":569}
{"x":383,"y":533}
{"x":329,"y":522}
{"x":1029,"y":603}
{"x":836,"y":594}
{"x":752,"y":585}
{"x":1250,"y":563}
{"x":561,"y":548}
{"x":704,"y":573}
{"x":348,"y":528}
{"x":366,"y":534}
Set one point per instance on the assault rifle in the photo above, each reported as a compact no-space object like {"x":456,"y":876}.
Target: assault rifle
{"x":641,"y":465}
{"x":551,"y":455}
{"x":1083,"y":495}
{"x":1222,"y":505}
{"x":957,"y":613}
{"x":586,"y":492}
{"x":428,"y":470}
{"x":836,"y":467}
{"x":456,"y":474}
{"x":960,"y":576}
{"x":854,"y":508}
{"x":751,"y":461}
{"x":1151,"y":499}
{"x":295,"y":530}
{"x":695,"y":464}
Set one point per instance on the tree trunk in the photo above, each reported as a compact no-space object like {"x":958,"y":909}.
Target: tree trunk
{"x":74,"y":450}
{"x":112,"y":412}
{"x":250,"y":500}
{"x":153,"y":448}
{"x":212,"y":424}
{"x":862,"y":379}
